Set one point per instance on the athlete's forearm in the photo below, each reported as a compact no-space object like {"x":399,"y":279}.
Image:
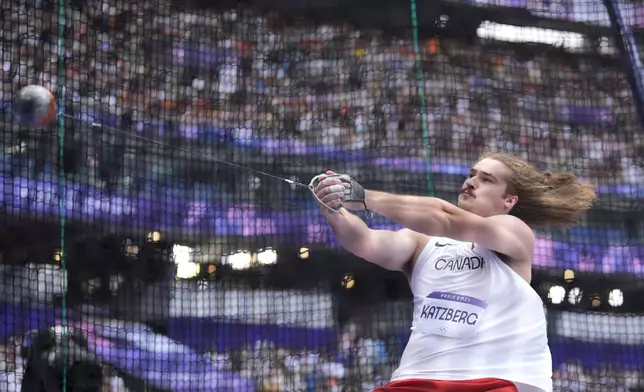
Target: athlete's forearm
{"x":350,"y":230}
{"x":427,"y":215}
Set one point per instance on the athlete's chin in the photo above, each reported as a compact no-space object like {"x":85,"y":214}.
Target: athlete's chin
{"x":465,"y":202}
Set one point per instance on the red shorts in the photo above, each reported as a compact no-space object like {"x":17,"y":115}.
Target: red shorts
{"x":477,"y":385}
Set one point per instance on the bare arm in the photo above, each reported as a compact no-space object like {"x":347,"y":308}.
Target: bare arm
{"x":436,"y":217}
{"x":392,"y":250}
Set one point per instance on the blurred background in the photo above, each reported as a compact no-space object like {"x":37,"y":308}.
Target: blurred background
{"x":125,"y":266}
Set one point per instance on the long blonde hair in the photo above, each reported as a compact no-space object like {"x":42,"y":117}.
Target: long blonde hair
{"x":545,"y":199}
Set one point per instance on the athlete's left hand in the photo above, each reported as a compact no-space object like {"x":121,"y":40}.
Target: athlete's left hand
{"x":340,"y":190}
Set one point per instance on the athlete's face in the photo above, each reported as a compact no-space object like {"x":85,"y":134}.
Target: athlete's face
{"x":484,"y":192}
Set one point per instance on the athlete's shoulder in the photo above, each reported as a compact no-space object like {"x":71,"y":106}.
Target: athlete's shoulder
{"x":515,"y":242}
{"x":515,"y":225}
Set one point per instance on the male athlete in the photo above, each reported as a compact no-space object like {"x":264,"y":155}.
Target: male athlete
{"x":478,"y":325}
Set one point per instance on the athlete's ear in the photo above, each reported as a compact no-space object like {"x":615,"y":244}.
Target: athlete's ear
{"x":510,"y":202}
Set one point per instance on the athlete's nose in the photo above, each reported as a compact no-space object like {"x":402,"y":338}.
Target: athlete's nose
{"x":470,"y":183}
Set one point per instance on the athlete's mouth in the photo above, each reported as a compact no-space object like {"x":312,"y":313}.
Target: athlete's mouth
{"x":467,"y":192}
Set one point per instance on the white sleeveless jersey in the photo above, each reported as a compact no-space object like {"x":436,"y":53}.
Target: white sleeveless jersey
{"x":474,"y":317}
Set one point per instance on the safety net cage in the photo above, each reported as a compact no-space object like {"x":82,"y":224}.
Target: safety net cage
{"x":139,"y":252}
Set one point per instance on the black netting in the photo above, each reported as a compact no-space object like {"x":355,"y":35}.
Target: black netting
{"x":140,"y":263}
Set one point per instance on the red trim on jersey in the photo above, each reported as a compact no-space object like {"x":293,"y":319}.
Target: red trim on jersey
{"x":477,"y":385}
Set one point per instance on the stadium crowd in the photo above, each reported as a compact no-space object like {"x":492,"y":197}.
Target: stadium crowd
{"x":177,"y":75}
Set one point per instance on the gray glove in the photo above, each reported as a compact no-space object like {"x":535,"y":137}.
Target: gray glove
{"x":353,"y":191}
